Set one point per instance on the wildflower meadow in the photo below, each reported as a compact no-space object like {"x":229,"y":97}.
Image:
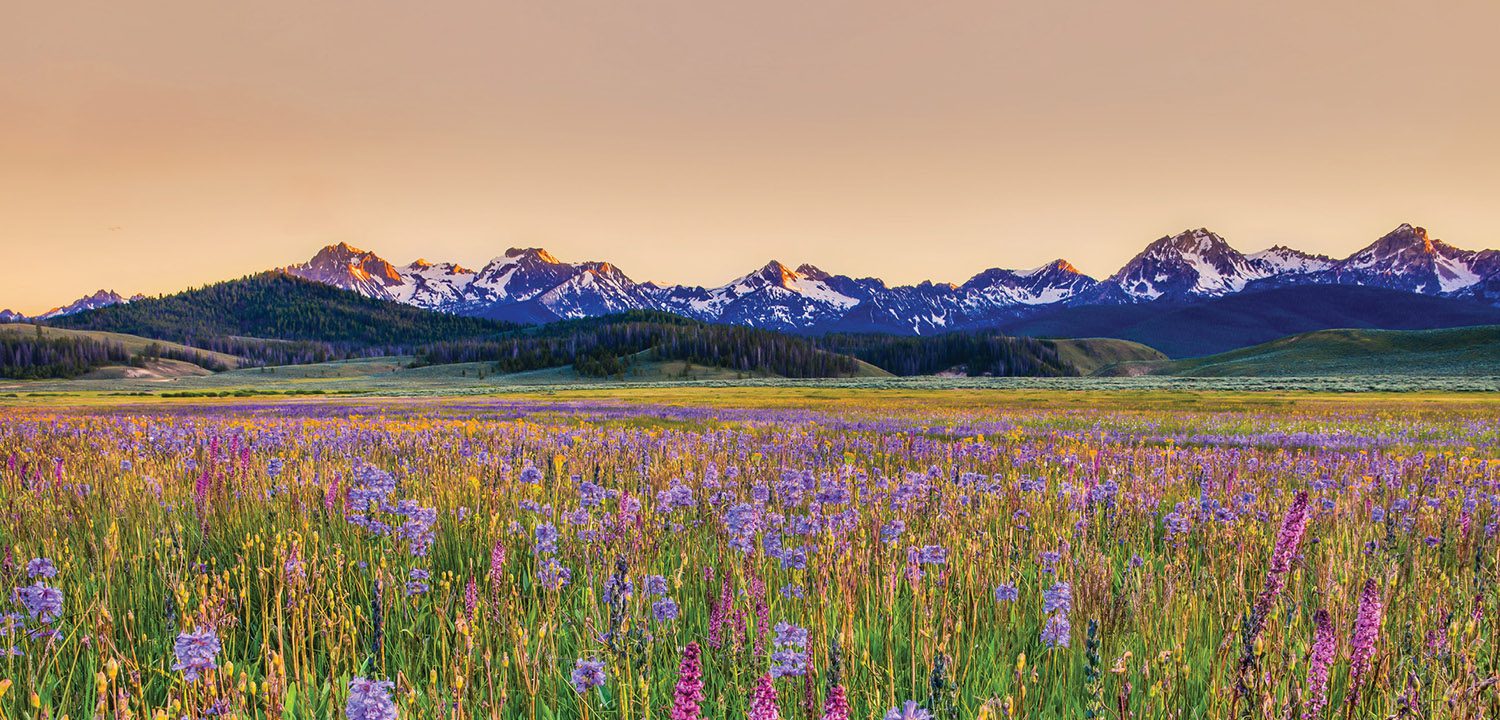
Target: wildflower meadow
{"x":905,"y":556}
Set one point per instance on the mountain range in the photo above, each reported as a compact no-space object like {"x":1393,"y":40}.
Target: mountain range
{"x":529,"y":285}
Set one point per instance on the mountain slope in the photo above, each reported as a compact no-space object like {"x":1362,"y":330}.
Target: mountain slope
{"x":280,"y":307}
{"x":1212,"y":326}
{"x":1472,"y":351}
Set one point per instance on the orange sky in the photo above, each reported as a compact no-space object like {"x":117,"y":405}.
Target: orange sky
{"x":146,"y":146}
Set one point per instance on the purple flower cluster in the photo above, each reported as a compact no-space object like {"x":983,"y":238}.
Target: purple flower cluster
{"x":370,"y":700}
{"x":196,"y":652}
{"x":587,"y":675}
{"x":689,"y":691}
{"x":911,"y":710}
{"x":1057,"y":602}
{"x":790,"y":655}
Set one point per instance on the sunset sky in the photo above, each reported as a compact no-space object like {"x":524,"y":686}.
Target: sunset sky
{"x":147,"y":146}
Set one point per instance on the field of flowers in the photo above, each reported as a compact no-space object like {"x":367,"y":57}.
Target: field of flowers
{"x":899,"y":557}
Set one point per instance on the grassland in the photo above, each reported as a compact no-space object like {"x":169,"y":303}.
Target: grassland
{"x":554,"y":552}
{"x":1457,"y":352}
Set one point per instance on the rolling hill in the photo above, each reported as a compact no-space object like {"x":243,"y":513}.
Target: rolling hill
{"x":1469,"y":351}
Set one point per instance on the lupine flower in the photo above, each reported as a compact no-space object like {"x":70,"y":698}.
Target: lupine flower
{"x":1006,"y":593}
{"x":763,"y":701}
{"x":370,"y":700}
{"x":1323,"y":649}
{"x":909,"y":711}
{"x":689,"y":691}
{"x":196,"y":653}
{"x":587,"y":674}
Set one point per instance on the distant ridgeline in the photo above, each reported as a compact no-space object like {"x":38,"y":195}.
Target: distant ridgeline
{"x":278,"y":319}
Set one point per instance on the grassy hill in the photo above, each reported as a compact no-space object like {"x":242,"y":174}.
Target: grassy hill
{"x":1469,"y":351}
{"x":1089,"y":355}
{"x":133,"y":343}
{"x":1223,"y":324}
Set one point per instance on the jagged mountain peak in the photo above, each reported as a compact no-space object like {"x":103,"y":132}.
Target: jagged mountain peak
{"x":813,"y":272}
{"x":532,"y":253}
{"x":99,"y":299}
{"x":1059,"y":265}
{"x":529,"y":284}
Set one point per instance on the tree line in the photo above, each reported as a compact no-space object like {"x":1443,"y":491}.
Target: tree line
{"x":604,"y":346}
{"x":980,"y":353}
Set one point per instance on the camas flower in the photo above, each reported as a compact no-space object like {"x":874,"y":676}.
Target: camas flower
{"x":41,"y":602}
{"x":909,"y":711}
{"x":370,"y":700}
{"x":587,"y":674}
{"x":41,"y":567}
{"x":1058,"y":598}
{"x":664,"y":610}
{"x":416,"y":582}
{"x":196,"y":652}
{"x":1058,"y":631}
{"x":655,"y":585}
{"x":546,"y":539}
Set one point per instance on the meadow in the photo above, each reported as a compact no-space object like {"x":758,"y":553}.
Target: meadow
{"x":752,"y":552}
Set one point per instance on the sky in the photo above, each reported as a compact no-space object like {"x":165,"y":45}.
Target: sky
{"x":154,"y":145}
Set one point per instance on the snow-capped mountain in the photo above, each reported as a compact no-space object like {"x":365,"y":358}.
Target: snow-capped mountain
{"x":1407,"y":259}
{"x":1282,"y":260}
{"x":530,"y":285}
{"x":10,"y":316}
{"x":102,"y":298}
{"x":1195,"y":263}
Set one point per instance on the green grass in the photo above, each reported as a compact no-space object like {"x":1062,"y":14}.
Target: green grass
{"x":1088,"y":355}
{"x":1471,"y":352}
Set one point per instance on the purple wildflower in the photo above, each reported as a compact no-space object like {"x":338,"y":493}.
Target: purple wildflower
{"x":689,"y":691}
{"x":587,"y":675}
{"x":41,"y":567}
{"x":909,"y":711}
{"x":41,"y":601}
{"x":1366,"y":635}
{"x":196,"y":652}
{"x":763,"y":701}
{"x":664,"y":610}
{"x":836,"y":707}
{"x":370,"y":700}
{"x":1323,"y":649}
